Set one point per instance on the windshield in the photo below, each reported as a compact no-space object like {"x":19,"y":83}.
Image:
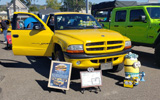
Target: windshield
{"x":76,"y":21}
{"x":154,"y":12}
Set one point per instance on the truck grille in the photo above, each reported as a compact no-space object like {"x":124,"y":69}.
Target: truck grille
{"x":96,"y":43}
{"x":104,"y":47}
{"x":115,"y":47}
{"x":114,"y":42}
{"x":104,"y":60}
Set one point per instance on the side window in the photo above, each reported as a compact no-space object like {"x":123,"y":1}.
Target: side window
{"x":51,"y":21}
{"x":26,"y":22}
{"x":135,"y":15}
{"x":120,"y":16}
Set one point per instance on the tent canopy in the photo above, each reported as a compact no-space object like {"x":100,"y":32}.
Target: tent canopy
{"x":104,"y":6}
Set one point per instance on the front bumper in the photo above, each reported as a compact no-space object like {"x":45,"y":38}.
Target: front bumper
{"x":87,"y":60}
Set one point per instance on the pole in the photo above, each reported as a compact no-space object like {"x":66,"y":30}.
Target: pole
{"x":14,"y":5}
{"x":87,"y":6}
{"x":34,"y":6}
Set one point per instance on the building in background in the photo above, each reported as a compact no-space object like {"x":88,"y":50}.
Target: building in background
{"x":3,"y":15}
{"x":48,"y":11}
{"x":20,"y":7}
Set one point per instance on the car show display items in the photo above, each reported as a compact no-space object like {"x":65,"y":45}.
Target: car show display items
{"x":69,"y":36}
{"x":60,"y":73}
{"x":139,"y":22}
{"x":128,"y":83}
{"x":90,"y":79}
{"x":9,"y":42}
{"x":131,"y":68}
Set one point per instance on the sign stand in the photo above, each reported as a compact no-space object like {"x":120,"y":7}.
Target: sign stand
{"x":90,"y":90}
{"x":91,"y":70}
{"x":64,"y":91}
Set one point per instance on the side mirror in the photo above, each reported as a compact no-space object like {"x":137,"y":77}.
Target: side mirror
{"x":143,"y":18}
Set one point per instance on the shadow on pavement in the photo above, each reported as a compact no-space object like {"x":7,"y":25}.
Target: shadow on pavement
{"x":44,"y":85}
{"x":75,"y":86}
{"x":146,"y":59}
{"x":113,"y":76}
{"x":6,"y":48}
{"x":14,"y":64}
{"x":41,"y":65}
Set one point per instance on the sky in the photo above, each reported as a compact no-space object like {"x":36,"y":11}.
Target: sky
{"x":42,"y":2}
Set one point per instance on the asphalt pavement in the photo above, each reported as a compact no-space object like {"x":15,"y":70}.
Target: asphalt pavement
{"x":26,"y":78}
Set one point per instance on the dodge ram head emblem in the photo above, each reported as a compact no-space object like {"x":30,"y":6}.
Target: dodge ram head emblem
{"x":103,"y":35}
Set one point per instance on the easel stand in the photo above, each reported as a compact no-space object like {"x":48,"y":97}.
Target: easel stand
{"x":92,"y":81}
{"x":91,"y":89}
{"x":64,"y":91}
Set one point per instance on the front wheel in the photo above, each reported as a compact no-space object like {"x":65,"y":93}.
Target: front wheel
{"x":117,"y":68}
{"x":59,"y":56}
{"x":157,"y":54}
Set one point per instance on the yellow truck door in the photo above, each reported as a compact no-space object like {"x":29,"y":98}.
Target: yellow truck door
{"x":30,"y":35}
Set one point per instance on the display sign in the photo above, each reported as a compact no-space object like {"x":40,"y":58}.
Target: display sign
{"x":60,"y":73}
{"x":91,"y":79}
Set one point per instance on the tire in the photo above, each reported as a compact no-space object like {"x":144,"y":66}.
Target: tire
{"x":117,"y":68}
{"x":157,"y":54}
{"x":59,"y":56}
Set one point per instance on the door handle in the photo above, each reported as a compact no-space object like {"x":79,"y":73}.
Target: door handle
{"x":129,"y":26}
{"x":15,"y":35}
{"x":116,"y":25}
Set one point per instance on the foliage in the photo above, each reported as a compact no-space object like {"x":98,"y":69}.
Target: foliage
{"x":33,"y":8}
{"x":42,"y":7}
{"x":74,"y":5}
{"x":54,"y":4}
{"x":3,"y":8}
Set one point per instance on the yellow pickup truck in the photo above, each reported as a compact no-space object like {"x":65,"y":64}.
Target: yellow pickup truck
{"x":69,"y":36}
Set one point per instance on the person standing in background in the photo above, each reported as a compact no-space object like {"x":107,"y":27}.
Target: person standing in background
{"x":0,"y":26}
{"x":4,"y":28}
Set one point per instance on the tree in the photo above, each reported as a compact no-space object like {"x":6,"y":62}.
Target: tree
{"x":3,"y":8}
{"x":73,"y":5}
{"x":33,"y":8}
{"x":54,"y":4}
{"x":42,"y":7}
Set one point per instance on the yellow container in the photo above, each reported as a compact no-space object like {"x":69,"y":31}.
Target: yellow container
{"x":128,"y":65}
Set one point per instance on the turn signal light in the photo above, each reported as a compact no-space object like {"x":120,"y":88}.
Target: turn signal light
{"x":75,"y":51}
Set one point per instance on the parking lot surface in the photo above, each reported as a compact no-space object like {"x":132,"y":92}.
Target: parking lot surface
{"x":26,"y":78}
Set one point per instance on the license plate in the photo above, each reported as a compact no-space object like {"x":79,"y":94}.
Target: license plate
{"x":105,"y":66}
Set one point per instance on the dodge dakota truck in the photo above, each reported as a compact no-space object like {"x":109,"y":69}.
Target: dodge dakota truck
{"x":69,"y":36}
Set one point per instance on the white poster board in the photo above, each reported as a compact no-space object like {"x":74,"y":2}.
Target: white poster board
{"x":91,"y":79}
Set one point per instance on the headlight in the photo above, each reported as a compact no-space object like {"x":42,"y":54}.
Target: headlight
{"x":75,"y":49}
{"x":127,"y":44}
